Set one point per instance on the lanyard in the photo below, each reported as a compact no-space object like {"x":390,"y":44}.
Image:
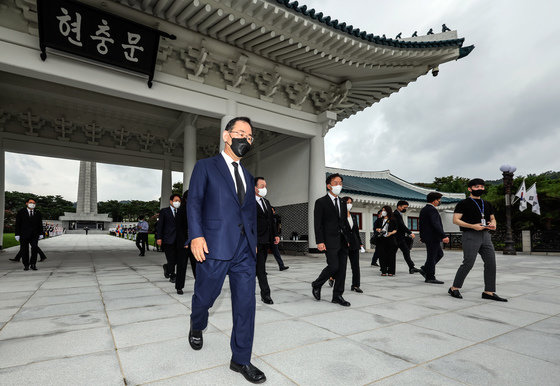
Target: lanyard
{"x":478,"y":206}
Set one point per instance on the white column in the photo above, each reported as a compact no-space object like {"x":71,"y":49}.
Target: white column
{"x":2,"y":191}
{"x":189,"y":151}
{"x":258,"y":164}
{"x":317,"y":175}
{"x":166,"y":185}
{"x":317,"y":171}
{"x":231,"y":112}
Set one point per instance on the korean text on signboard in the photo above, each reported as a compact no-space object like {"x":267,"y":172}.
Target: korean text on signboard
{"x":82,"y":30}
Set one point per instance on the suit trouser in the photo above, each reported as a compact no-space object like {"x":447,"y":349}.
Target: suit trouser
{"x":183,"y":257}
{"x":375,"y":256}
{"x":403,"y":246}
{"x":475,"y":242}
{"x":171,"y":256}
{"x":354,"y":257}
{"x":387,"y":255}
{"x":210,"y":276}
{"x":262,"y":253}
{"x":336,"y":268}
{"x":24,"y":249}
{"x":276,"y":253}
{"x":434,"y":253}
{"x":142,"y":242}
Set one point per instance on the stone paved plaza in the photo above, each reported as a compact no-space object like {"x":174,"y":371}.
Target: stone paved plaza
{"x":95,"y":313}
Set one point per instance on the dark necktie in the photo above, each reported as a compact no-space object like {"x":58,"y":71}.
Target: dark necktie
{"x":174,"y":212}
{"x":239,"y":183}
{"x":336,"y":205}
{"x":31,"y":215}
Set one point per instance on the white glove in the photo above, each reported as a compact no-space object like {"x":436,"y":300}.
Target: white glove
{"x":40,"y":237}
{"x":17,"y":238}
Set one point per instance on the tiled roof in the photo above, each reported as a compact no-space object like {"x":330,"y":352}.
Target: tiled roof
{"x":382,"y":187}
{"x":356,"y":32}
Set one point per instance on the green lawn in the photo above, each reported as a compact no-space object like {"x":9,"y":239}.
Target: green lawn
{"x":9,"y":241}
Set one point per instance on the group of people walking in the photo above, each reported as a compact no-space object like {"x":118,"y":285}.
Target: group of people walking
{"x":225,"y":226}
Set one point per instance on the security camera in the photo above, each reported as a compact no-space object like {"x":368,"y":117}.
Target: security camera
{"x":435,"y":71}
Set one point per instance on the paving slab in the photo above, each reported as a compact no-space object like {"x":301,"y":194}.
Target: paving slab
{"x":95,"y":307}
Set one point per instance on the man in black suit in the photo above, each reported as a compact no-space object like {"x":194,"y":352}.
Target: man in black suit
{"x":266,"y":236}
{"x":29,"y":229}
{"x":332,"y":235}
{"x":167,"y":235}
{"x":431,"y":233}
{"x":402,"y":233}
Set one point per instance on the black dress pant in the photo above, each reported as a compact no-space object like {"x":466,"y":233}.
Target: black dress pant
{"x":336,"y":268}
{"x":354,"y":257}
{"x":403,"y":246}
{"x":434,"y":253}
{"x":142,"y":242}
{"x":183,"y":257}
{"x":24,"y":245}
{"x":262,"y":253}
{"x":387,"y":255}
{"x":171,"y":257}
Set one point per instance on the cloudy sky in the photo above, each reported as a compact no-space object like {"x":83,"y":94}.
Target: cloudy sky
{"x":498,"y":105}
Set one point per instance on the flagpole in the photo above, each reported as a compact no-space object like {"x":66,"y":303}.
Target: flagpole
{"x":507,"y":172}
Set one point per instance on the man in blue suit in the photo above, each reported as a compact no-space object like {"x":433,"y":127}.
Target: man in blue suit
{"x":221,"y":212}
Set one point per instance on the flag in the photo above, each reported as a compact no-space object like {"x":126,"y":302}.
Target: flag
{"x":533,"y":199}
{"x":522,"y":194}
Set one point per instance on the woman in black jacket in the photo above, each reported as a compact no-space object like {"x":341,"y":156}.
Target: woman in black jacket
{"x":354,"y":247}
{"x":385,"y":228}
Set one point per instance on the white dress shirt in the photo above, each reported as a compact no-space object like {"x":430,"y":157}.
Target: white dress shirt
{"x":229,"y":160}
{"x":350,"y":222}
{"x":333,"y":197}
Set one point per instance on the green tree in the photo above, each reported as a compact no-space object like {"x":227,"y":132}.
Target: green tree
{"x":177,"y":188}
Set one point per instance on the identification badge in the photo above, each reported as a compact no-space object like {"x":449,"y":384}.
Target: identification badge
{"x":483,"y":222}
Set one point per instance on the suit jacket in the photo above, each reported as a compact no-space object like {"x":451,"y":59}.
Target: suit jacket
{"x":329,"y":225}
{"x":28,"y":227}
{"x":214,"y":211}
{"x":355,"y":241}
{"x":182,"y":226}
{"x":402,"y":229}
{"x":431,"y":228}
{"x":167,"y":226}
{"x":266,"y":227}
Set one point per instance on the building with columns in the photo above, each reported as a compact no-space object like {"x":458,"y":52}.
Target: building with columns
{"x":294,"y":71}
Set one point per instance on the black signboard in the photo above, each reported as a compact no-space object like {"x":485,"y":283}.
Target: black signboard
{"x":85,"y":31}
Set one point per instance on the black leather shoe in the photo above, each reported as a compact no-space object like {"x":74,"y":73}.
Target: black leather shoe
{"x":195,"y":339}
{"x":422,"y":272}
{"x":41,"y":260}
{"x":455,"y":293}
{"x":433,"y":281}
{"x":375,"y":264}
{"x":413,"y":270}
{"x":14,"y":259}
{"x":172,"y":279}
{"x":340,"y":300}
{"x":33,"y":267}
{"x":250,"y":372}
{"x":284,"y":268}
{"x":357,"y":289}
{"x":316,"y":292}
{"x":179,"y":292}
{"x":165,"y":273}
{"x":267,"y":299}
{"x":494,"y":296}
{"x":26,"y":268}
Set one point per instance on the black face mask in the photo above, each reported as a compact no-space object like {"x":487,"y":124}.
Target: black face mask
{"x":240,"y":146}
{"x":403,"y":211}
{"x":477,"y":192}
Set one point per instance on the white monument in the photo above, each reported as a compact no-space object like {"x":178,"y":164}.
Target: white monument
{"x":86,"y":208}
